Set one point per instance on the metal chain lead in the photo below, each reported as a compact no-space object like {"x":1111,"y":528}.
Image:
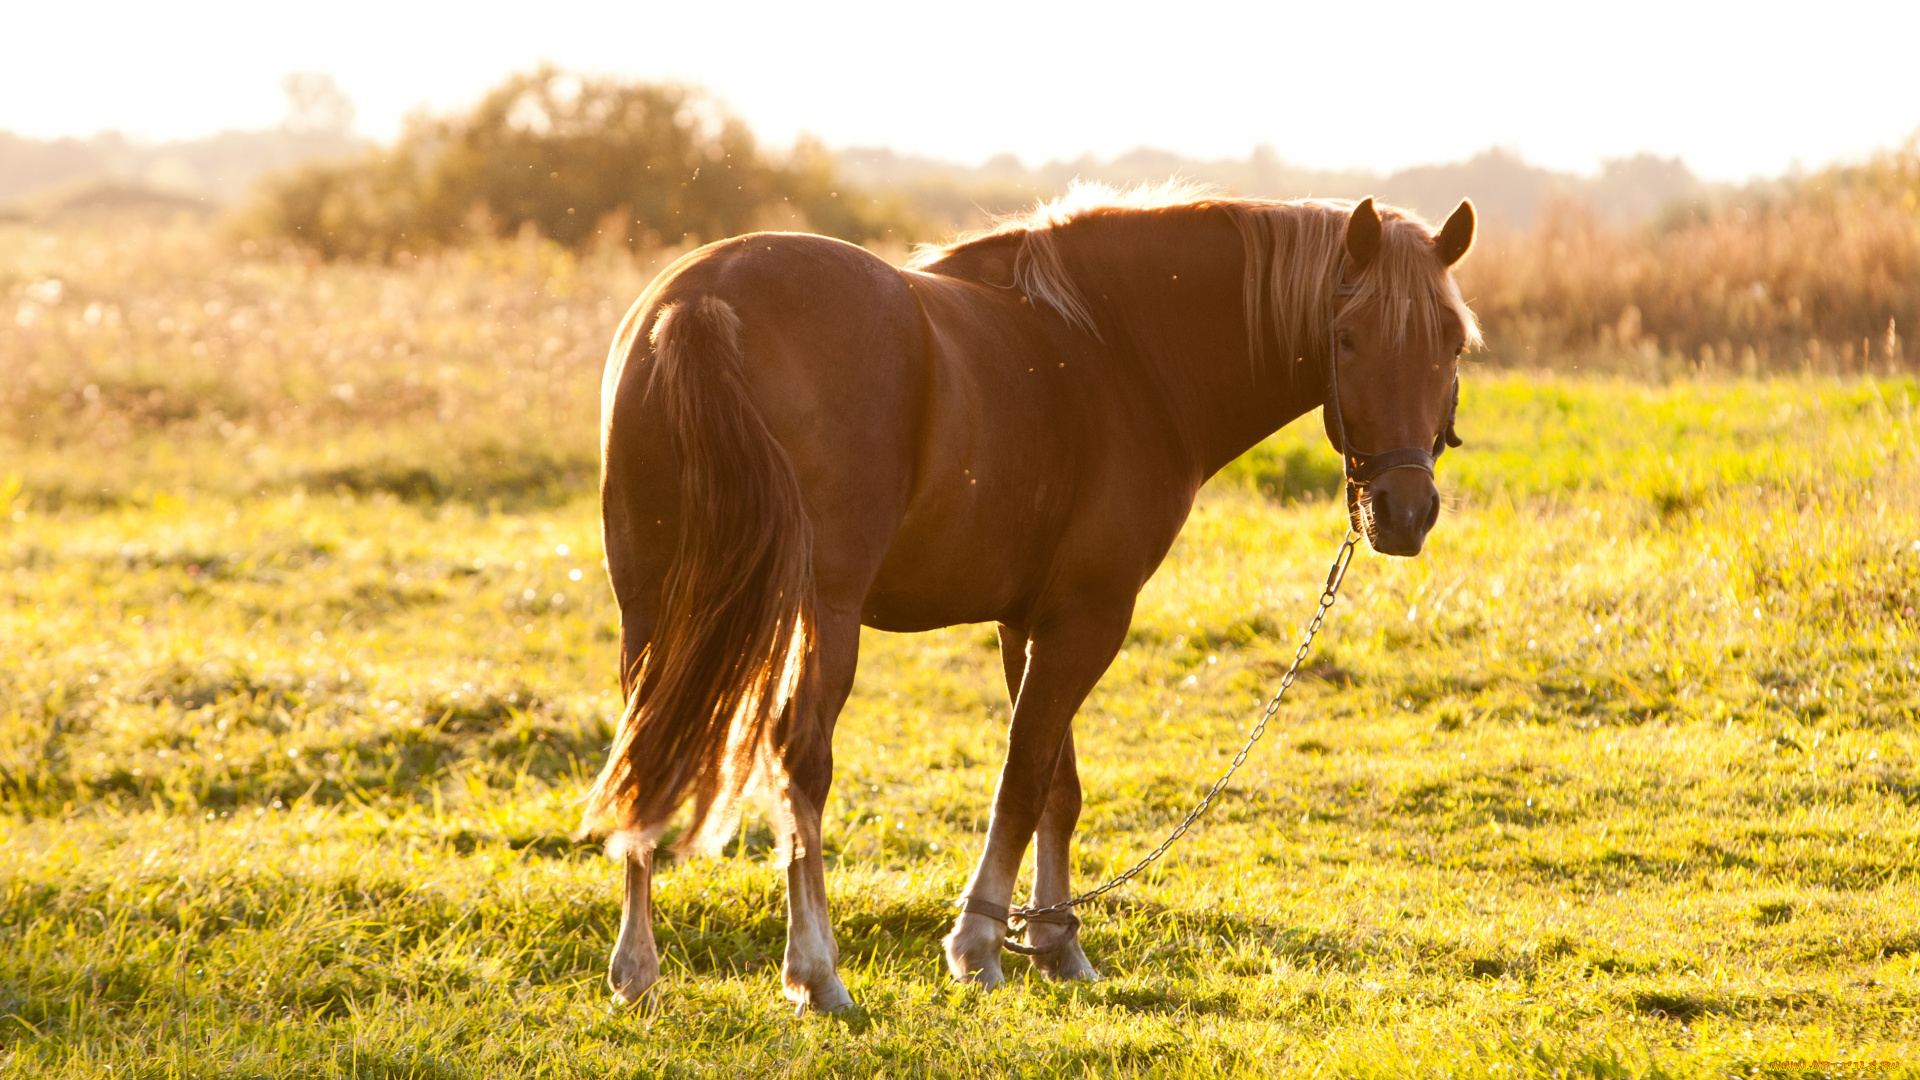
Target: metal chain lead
{"x":1335,"y":575}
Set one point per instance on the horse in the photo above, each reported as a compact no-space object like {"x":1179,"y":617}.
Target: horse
{"x":799,"y":439}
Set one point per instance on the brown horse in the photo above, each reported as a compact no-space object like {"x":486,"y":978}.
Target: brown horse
{"x":799,"y":439}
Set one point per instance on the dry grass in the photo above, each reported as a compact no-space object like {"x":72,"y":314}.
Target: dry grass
{"x":120,"y":344}
{"x":1822,"y":277}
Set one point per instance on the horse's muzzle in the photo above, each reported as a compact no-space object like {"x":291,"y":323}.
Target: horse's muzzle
{"x":1404,"y":505}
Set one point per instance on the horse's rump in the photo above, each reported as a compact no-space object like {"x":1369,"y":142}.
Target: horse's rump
{"x":716,"y":700}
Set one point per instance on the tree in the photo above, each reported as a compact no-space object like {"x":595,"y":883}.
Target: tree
{"x":568,"y":155}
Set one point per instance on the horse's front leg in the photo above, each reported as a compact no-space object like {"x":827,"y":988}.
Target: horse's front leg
{"x":1058,"y":936}
{"x":1066,"y":655}
{"x":811,"y":972}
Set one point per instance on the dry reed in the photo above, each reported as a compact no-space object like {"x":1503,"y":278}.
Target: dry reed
{"x":1821,"y":277}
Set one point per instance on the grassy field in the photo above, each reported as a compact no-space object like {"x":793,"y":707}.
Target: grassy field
{"x":299,"y":689}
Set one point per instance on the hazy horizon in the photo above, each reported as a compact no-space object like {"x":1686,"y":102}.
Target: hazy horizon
{"x":983,"y":164}
{"x":1735,"y":99}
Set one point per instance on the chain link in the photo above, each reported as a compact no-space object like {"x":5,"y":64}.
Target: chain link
{"x":1335,"y":575}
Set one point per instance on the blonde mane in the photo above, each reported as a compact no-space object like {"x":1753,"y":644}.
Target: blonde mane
{"x":1294,"y":252}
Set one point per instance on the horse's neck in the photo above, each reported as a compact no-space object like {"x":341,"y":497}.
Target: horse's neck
{"x":1171,"y":289}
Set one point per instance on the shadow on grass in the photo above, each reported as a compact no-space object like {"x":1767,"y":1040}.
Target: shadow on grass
{"x":1668,"y":1005}
{"x":395,"y":761}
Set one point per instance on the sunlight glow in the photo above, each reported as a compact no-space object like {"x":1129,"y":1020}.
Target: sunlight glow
{"x":1399,"y":85}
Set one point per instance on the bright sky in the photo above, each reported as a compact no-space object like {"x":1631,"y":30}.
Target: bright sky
{"x":1738,"y":90}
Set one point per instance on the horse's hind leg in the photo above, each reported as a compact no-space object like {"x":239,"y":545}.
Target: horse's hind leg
{"x":811,"y":972}
{"x":1061,"y":957}
{"x":635,"y":965}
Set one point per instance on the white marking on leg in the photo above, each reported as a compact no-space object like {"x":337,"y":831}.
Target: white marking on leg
{"x":1053,"y":873}
{"x":635,"y":965}
{"x":973,"y":946}
{"x":813,"y":957}
{"x":1052,"y":883}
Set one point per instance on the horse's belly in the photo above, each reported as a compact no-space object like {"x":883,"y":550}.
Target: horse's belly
{"x":925,"y":587}
{"x":962,"y":555}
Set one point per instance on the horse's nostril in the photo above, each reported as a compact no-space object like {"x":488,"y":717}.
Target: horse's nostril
{"x":1407,"y":515}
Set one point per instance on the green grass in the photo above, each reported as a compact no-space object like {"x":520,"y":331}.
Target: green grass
{"x":1618,"y":779}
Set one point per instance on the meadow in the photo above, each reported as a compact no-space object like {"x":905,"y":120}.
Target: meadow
{"x":306,"y":656}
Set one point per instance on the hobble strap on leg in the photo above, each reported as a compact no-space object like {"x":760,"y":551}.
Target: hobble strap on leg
{"x":1000,"y":913}
{"x":1054,"y":918}
{"x":1051,"y":918}
{"x":987,"y":908}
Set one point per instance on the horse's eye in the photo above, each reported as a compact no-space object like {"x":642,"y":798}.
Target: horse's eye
{"x":1459,"y":350}
{"x":1346,"y":340}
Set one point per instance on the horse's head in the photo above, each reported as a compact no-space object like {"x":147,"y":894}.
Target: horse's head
{"x":1398,"y":331}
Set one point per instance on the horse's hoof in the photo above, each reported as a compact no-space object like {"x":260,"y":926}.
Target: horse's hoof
{"x":1072,"y":972}
{"x":1068,"y":964}
{"x":973,"y":951}
{"x":630,"y":983}
{"x":984,"y":973}
{"x":627,"y":995}
{"x":827,"y":1000}
{"x":986,"y":978}
{"x":628,"y":999}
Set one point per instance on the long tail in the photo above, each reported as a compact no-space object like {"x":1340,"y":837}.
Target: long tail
{"x":720,"y":694}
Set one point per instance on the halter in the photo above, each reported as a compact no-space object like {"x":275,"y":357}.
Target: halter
{"x":1360,"y":468}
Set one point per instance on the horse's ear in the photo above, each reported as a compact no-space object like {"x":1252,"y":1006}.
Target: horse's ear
{"x":1456,"y":236}
{"x":1363,"y":234}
